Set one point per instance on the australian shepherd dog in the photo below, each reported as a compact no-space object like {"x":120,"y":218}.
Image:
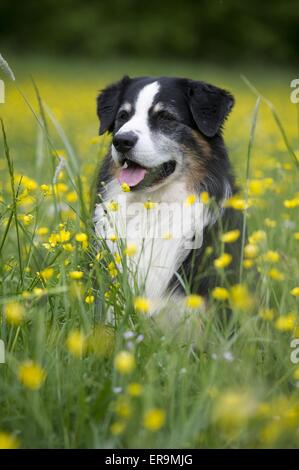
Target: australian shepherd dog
{"x":163,"y":185}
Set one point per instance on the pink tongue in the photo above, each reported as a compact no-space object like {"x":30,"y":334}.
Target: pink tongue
{"x":131,"y":176}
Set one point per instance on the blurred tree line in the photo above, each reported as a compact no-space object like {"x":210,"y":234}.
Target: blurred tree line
{"x":204,"y":29}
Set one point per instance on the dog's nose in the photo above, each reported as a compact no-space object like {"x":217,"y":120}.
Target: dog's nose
{"x":125,"y":141}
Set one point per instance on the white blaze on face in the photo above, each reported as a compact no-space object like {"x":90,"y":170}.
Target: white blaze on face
{"x":145,"y":152}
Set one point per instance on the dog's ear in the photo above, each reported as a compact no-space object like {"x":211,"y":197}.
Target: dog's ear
{"x":209,"y":106}
{"x":108,"y":103}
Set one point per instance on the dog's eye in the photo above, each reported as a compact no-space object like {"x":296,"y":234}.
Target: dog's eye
{"x":165,"y":115}
{"x":123,"y":115}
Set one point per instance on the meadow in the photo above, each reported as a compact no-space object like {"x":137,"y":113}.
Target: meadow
{"x":74,"y":379}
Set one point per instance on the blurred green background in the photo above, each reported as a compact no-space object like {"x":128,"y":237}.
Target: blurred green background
{"x":209,"y":30}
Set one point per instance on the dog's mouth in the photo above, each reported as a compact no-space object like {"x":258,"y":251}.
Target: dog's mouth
{"x":138,"y":177}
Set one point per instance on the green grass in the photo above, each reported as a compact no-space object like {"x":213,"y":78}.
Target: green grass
{"x":218,"y":390}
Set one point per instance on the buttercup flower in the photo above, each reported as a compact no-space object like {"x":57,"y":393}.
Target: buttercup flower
{"x":76,"y":275}
{"x":251,"y":250}
{"x":191,"y":199}
{"x":154,"y":419}
{"x":295,"y":292}
{"x":194,"y":301}
{"x":125,"y":187}
{"x":220,"y":293}
{"x":286,"y":322}
{"x":223,"y":261}
{"x":14,"y":313}
{"x":89,"y":299}
{"x":8,"y":441}
{"x":31,"y":375}
{"x":230,"y":237}
{"x":130,"y":250}
{"x":76,"y":343}
{"x":124,"y":362}
{"x":134,"y":389}
{"x":240,"y":297}
{"x":141,"y":304}
{"x":271,"y":256}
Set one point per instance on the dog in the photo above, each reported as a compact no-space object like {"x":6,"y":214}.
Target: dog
{"x":167,"y":144}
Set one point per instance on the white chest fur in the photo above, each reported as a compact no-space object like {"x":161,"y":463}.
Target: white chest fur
{"x":162,"y":234}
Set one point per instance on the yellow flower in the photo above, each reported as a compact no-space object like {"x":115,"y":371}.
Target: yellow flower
{"x":124,"y":362}
{"x":29,"y":183}
{"x":113,"y":238}
{"x":117,"y":258}
{"x":27,"y":218}
{"x":267,"y":314}
{"x":46,"y":274}
{"x":295,"y":292}
{"x":271,"y":256}
{"x":130,"y":250}
{"x":112,"y":269}
{"x":257,"y":237}
{"x":191,"y":199}
{"x":122,"y":407}
{"x":270,"y":222}
{"x":76,"y":343}
{"x":220,"y":293}
{"x":42,"y":231}
{"x":81,"y":237}
{"x":231,"y":236}
{"x":256,"y":187}
{"x":276,"y":275}
{"x":250,"y":250}
{"x":247,"y":263}
{"x":117,"y":428}
{"x":154,"y":419}
{"x":89,"y":299}
{"x":76,"y":275}
{"x":194,"y":301}
{"x":38,"y":291}
{"x":113,"y":206}
{"x":64,"y":236}
{"x":45,"y":189}
{"x":223,"y":261}
{"x":68,"y":247}
{"x":14,"y":313}
{"x":134,"y":389}
{"x":291,"y":203}
{"x":296,"y":235}
{"x":149,"y":205}
{"x":53,"y":239}
{"x":31,"y":375}
{"x":286,"y":322}
{"x":236,"y":203}
{"x":8,"y":441}
{"x":125,"y":187}
{"x":72,"y":196}
{"x":141,"y":304}
{"x":204,"y":197}
{"x":296,"y":373}
{"x":234,"y":408}
{"x":240,"y":298}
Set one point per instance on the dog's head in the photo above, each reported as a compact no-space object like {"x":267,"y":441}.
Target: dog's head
{"x":156,"y":121}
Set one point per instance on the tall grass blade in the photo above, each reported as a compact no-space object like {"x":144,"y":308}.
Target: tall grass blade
{"x":249,"y":154}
